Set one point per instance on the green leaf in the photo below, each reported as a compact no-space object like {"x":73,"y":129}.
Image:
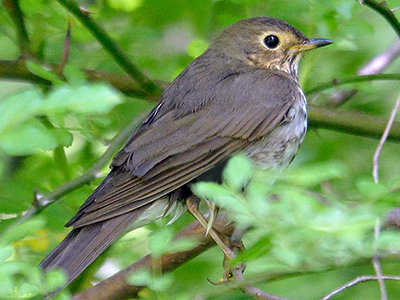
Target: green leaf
{"x":18,"y":108}
{"x":74,"y":76}
{"x":238,"y":172}
{"x":19,"y":231}
{"x":88,"y":99}
{"x":183,"y":244}
{"x":27,"y":138}
{"x":314,"y":174}
{"x":216,"y":193}
{"x":140,"y":277}
{"x":40,"y":71}
{"x":62,"y":136}
{"x":159,"y":240}
{"x":371,"y":190}
{"x":196,"y":48}
{"x":5,"y":253}
{"x":54,"y":279}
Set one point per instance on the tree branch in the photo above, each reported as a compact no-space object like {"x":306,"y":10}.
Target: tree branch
{"x":116,"y":286}
{"x":111,"y":47}
{"x":353,"y":79}
{"x":351,"y":122}
{"x":332,"y":119}
{"x":383,"y":9}
{"x":375,"y":66}
{"x":252,"y":290}
{"x":357,"y":281}
{"x":15,"y":11}
{"x":16,"y":70}
{"x":383,"y":139}
{"x":380,"y":62}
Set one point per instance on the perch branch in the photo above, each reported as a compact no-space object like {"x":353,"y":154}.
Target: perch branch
{"x":116,"y":286}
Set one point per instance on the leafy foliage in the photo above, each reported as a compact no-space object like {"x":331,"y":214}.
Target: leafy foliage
{"x":321,"y":213}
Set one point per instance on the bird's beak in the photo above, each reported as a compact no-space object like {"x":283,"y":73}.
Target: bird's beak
{"x":311,"y":44}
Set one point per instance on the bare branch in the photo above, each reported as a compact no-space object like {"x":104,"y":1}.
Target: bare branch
{"x":252,"y":290}
{"x":377,"y":264}
{"x":375,"y":66}
{"x":383,"y":140}
{"x":111,"y":47}
{"x":380,"y":62}
{"x":66,"y":49}
{"x":357,"y":281}
{"x":116,"y":286}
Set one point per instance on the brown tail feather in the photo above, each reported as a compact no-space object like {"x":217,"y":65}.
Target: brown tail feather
{"x":83,"y":245}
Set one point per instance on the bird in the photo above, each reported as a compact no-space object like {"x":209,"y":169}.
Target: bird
{"x":242,"y":95}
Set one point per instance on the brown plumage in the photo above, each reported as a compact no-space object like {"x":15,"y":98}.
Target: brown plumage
{"x":239,"y":96}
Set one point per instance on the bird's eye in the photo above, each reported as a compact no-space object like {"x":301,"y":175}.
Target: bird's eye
{"x":271,"y":41}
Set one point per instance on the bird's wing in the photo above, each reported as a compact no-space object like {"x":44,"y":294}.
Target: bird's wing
{"x":177,"y":146}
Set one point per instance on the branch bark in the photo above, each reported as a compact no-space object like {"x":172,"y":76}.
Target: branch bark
{"x":351,"y":122}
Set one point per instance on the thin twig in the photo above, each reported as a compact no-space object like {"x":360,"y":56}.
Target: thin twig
{"x":375,"y":66}
{"x":66,"y":49}
{"x":380,"y":62}
{"x":252,"y":290}
{"x":353,"y":79}
{"x":355,"y":282}
{"x":383,"y":139}
{"x":376,"y":262}
{"x":18,"y":18}
{"x":110,"y":46}
{"x":383,"y":9}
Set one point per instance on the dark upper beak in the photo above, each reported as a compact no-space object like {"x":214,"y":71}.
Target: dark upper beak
{"x":311,"y":44}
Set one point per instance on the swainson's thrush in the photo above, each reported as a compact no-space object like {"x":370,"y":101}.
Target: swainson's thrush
{"x":241,"y":95}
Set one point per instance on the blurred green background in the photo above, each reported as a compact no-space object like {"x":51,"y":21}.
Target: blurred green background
{"x":39,"y":125}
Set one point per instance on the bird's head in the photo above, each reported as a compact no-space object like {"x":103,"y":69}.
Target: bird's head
{"x":266,"y":43}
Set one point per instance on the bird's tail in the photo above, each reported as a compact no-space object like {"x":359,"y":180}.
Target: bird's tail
{"x":84,"y":244}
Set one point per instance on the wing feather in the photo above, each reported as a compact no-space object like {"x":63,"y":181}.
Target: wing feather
{"x":173,"y":148}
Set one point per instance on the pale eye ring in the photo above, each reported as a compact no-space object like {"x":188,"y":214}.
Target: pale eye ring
{"x":271,"y":41}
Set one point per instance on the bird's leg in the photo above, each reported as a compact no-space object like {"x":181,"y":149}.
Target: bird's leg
{"x":236,"y":245}
{"x":213,"y":215}
{"x":193,"y":207}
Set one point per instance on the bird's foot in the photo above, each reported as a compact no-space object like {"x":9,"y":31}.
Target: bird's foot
{"x":192,"y":204}
{"x":230,"y":247}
